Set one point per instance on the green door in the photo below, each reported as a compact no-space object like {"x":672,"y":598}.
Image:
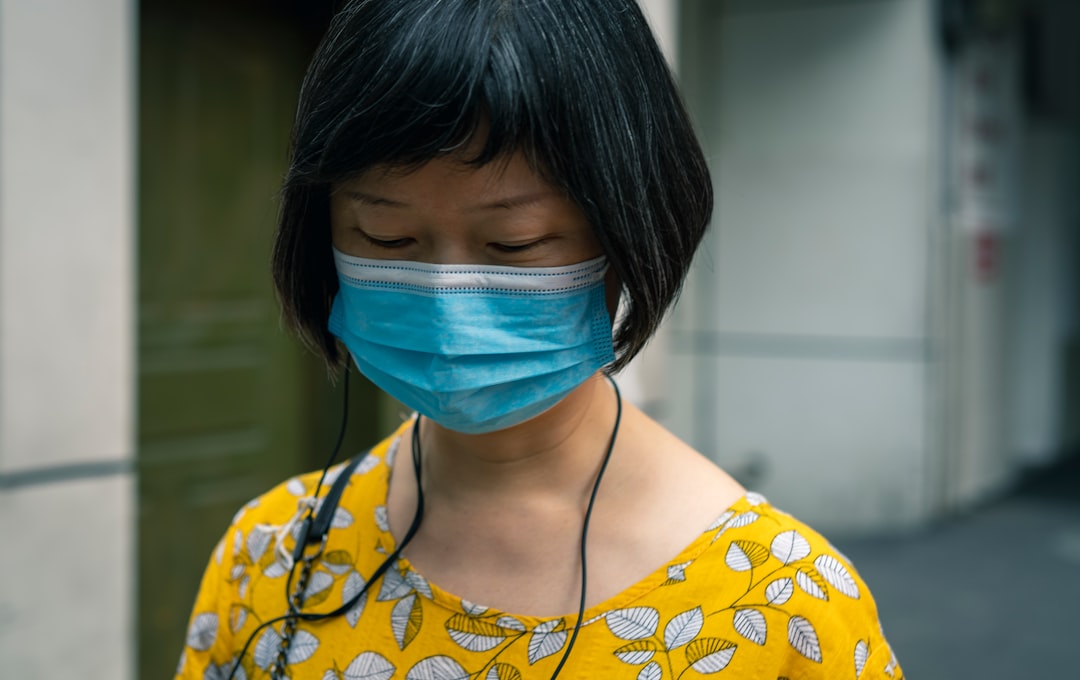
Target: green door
{"x":229,"y":403}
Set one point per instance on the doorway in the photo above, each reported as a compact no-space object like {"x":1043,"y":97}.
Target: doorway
{"x":229,"y":403}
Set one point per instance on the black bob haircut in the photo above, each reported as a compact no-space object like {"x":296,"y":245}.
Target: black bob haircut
{"x":578,"y":86}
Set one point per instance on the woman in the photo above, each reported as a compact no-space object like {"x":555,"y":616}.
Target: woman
{"x":474,"y":186}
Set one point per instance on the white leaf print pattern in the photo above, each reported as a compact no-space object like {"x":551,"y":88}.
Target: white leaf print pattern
{"x":333,"y":568}
{"x":367,"y":465}
{"x":213,"y":672}
{"x":651,"y":672}
{"x":400,"y":617}
{"x":636,"y":653}
{"x":275,"y":570}
{"x":437,"y":668}
{"x":418,"y":583}
{"x":677,"y":572}
{"x":295,"y":487}
{"x":750,"y":623}
{"x":354,"y":583}
{"x":737,"y":559}
{"x":545,"y":640}
{"x":394,"y":586}
{"x":203,"y":632}
{"x":391,"y":452}
{"x":710,"y":655}
{"x":473,"y":634}
{"x":219,"y":554}
{"x":683,"y":628}
{"x":382,"y":518}
{"x":266,"y":648}
{"x":369,"y":666}
{"x":789,"y":546}
{"x":809,"y":585}
{"x":343,"y":519}
{"x":303,"y":646}
{"x":891,"y":667}
{"x":743,"y":519}
{"x":862,"y":653}
{"x":754,"y":498}
{"x":720,"y":521}
{"x":779,"y":591}
{"x":320,"y":581}
{"x":737,"y":522}
{"x":237,"y":618}
{"x":221,"y":672}
{"x":804,"y":639}
{"x":242,"y":589}
{"x":332,"y":474}
{"x":472,"y":608}
{"x":837,"y":575}
{"x":633,"y":623}
{"x":510,"y":623}
{"x":331,"y":674}
{"x":498,"y":672}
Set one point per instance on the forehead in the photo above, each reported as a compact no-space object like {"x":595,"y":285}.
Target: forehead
{"x":451,"y":176}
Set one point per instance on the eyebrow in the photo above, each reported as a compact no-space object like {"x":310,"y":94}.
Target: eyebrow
{"x":505,"y":203}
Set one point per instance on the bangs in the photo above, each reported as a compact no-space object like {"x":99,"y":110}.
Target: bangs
{"x":429,"y":86}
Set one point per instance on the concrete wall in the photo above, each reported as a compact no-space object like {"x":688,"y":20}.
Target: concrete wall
{"x":66,"y":337}
{"x":800,"y":348}
{"x":1040,"y":274}
{"x":1041,"y":304}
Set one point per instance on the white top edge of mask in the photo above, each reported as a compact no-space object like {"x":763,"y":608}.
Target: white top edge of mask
{"x":456,"y":276}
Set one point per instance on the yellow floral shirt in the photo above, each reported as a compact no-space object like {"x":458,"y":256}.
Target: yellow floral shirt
{"x":757,"y":595}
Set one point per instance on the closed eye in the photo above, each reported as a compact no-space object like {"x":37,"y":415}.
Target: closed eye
{"x":389,"y":244}
{"x":515,"y":247}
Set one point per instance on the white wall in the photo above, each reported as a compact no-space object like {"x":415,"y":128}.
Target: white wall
{"x":66,"y":337}
{"x":801,"y":354}
{"x":1041,"y":275}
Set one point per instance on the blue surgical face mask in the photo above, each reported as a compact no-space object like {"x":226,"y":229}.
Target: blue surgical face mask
{"x":476,"y":348}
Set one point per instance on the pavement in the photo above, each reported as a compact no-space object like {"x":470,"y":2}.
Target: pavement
{"x":993,"y":593}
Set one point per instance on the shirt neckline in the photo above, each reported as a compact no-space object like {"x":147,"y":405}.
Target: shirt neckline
{"x":624,"y":598}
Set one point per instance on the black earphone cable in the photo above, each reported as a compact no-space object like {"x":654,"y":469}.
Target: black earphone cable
{"x":305,"y":527}
{"x":585,"y":526}
{"x":295,"y":615}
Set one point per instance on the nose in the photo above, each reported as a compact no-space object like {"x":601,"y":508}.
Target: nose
{"x":450,"y":248}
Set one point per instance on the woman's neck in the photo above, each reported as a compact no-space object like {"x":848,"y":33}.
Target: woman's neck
{"x":555,"y":454}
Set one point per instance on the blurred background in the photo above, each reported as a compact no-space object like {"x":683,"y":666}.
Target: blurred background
{"x":881,"y":332}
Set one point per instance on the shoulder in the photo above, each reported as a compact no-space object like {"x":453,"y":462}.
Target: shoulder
{"x":298,"y":493}
{"x":245,"y":577}
{"x":780,"y":596}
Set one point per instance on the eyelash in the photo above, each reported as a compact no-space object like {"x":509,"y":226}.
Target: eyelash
{"x":392,"y":244}
{"x":388,"y":244}
{"x":510,"y":249}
